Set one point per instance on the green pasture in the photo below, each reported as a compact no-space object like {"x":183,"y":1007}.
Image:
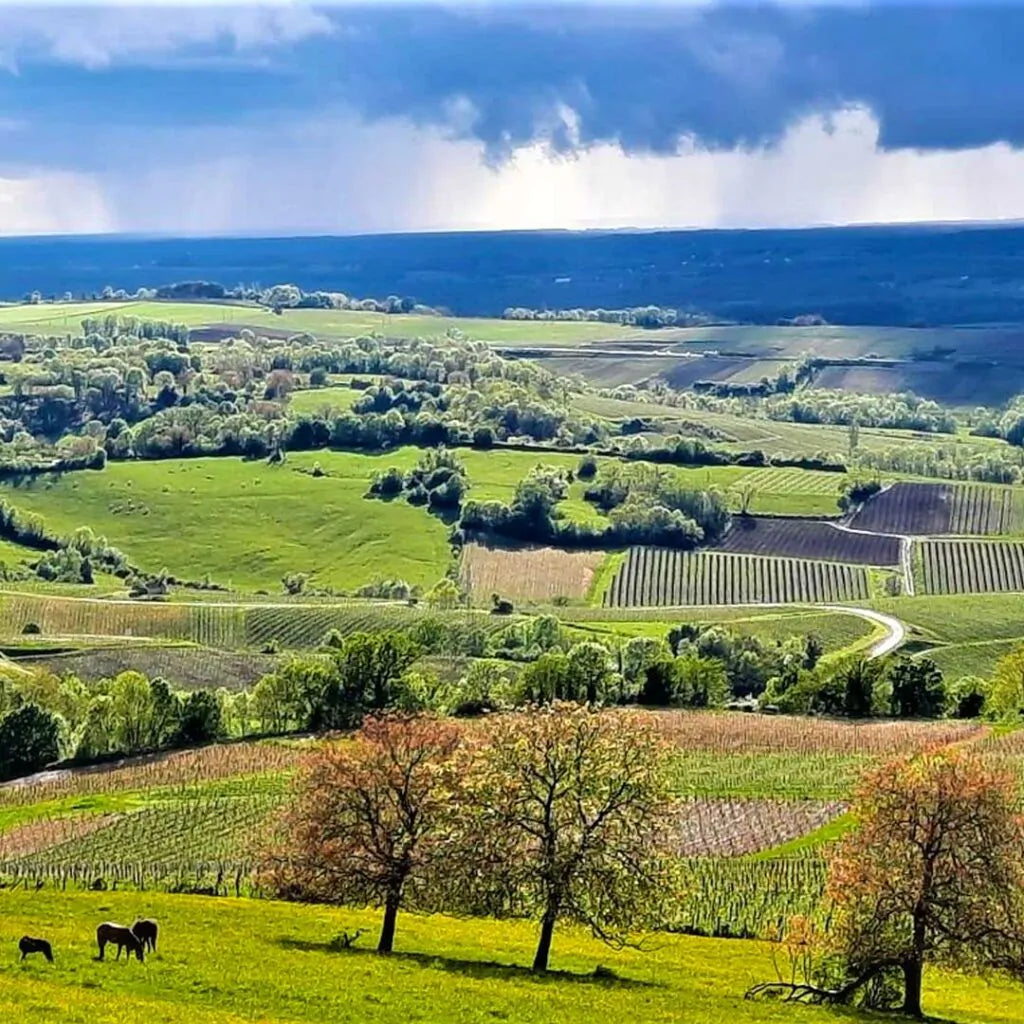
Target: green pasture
{"x":959,"y":618}
{"x":313,"y":400}
{"x":65,"y":318}
{"x":224,"y":961}
{"x":977,"y":658}
{"x":247,"y":524}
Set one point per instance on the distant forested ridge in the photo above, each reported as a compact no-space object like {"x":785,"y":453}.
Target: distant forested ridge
{"x":907,"y":276}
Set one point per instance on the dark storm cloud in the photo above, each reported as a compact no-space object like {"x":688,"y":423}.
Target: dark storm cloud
{"x":648,"y":79}
{"x":936,"y":77}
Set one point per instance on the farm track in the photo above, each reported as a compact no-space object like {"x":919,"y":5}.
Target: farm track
{"x":896,"y":632}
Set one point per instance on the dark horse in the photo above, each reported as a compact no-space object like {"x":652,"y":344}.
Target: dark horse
{"x":145,"y":931}
{"x":29,"y":945}
{"x":120,"y":936}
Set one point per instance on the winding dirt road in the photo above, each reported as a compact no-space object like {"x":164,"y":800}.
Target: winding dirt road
{"x":896,"y":634}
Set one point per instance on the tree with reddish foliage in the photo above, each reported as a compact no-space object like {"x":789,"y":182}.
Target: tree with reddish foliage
{"x":933,"y":873}
{"x":568,"y":817}
{"x":369,"y":818}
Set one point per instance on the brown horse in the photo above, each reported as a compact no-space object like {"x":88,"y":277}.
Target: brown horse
{"x":120,"y":936}
{"x":145,"y":931}
{"x":28,"y":945}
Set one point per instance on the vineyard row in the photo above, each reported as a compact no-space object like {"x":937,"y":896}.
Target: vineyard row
{"x":221,"y":626}
{"x":971,"y":567}
{"x":663,"y":577}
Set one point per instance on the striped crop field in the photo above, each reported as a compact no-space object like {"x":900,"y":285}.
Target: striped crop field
{"x":971,"y":567}
{"x":795,"y":481}
{"x":664,"y":577}
{"x":808,"y":538}
{"x":920,"y":508}
{"x":214,"y":625}
{"x":981,"y":509}
{"x":191,"y":668}
{"x":907,"y":508}
{"x":58,"y":616}
{"x":303,"y":626}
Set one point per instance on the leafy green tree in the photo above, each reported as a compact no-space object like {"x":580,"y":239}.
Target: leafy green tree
{"x":918,"y":690}
{"x":200,"y":719}
{"x":636,"y":656}
{"x":371,"y":664}
{"x":546,"y":679}
{"x":444,"y":594}
{"x":96,"y":735}
{"x":589,"y":675}
{"x":699,"y":682}
{"x":29,"y":741}
{"x":166,"y":713}
{"x":850,"y":690}
{"x":132,"y":708}
{"x":1006,"y":689}
{"x":295,"y":696}
{"x":966,"y":698}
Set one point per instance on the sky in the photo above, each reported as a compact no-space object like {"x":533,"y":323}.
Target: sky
{"x":337,"y":119}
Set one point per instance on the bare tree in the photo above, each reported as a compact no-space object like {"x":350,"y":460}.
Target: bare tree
{"x":567,"y":819}
{"x":368,"y":819}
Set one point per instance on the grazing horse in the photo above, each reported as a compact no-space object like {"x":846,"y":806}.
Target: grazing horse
{"x":145,"y":931}
{"x":29,"y":945}
{"x":122,"y":937}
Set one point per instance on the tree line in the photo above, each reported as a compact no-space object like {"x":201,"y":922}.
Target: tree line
{"x":533,"y":661}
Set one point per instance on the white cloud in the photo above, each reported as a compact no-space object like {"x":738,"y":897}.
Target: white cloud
{"x":47,"y":204}
{"x":338,"y":174}
{"x":96,"y":36}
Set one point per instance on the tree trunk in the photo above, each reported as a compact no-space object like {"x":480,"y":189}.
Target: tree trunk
{"x":547,"y":927}
{"x":387,"y":931}
{"x":913,"y":972}
{"x":913,"y":967}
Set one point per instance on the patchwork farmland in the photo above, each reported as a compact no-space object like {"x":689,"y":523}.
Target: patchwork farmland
{"x":803,"y":538}
{"x":662,"y":577}
{"x":971,"y":567}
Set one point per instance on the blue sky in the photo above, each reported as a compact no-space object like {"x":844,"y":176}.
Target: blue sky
{"x":293,"y":118}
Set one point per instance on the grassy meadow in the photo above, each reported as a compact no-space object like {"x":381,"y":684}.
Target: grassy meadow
{"x":223,"y":961}
{"x":313,"y":400}
{"x":65,"y":318}
{"x":246,"y":523}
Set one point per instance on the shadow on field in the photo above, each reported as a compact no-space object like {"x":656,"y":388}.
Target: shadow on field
{"x":474,"y":968}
